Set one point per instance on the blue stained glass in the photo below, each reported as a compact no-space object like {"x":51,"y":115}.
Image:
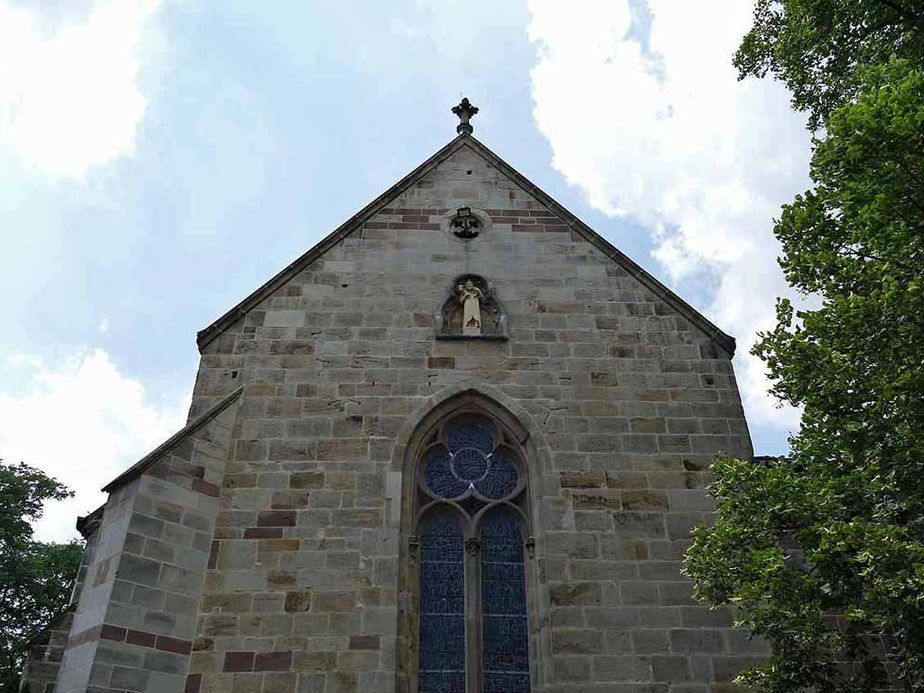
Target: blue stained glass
{"x":471,"y":434}
{"x":510,"y":683}
{"x":442,"y":605}
{"x":469,"y":464}
{"x":505,"y":635}
{"x":500,"y":481}
{"x":439,"y":477}
{"x":441,"y":681}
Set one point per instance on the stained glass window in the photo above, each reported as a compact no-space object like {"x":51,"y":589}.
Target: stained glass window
{"x":440,"y":477}
{"x":500,"y":481}
{"x":505,"y":637}
{"x":470,"y":461}
{"x":470,"y":434}
{"x":469,"y":464}
{"x":442,"y":605}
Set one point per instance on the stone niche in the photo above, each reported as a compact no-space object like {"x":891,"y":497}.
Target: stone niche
{"x":471,"y":310}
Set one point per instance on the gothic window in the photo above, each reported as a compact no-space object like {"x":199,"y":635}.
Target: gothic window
{"x":471,"y":542}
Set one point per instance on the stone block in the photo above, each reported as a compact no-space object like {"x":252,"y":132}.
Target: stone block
{"x":577,"y":641}
{"x":643,"y":499}
{"x":671,"y":668}
{"x":364,"y":642}
{"x":239,"y":661}
{"x":634,"y":524}
{"x":583,"y":593}
{"x":166,"y":662}
{"x":277,"y":518}
{"x":129,"y":679}
{"x":272,"y":661}
{"x":139,"y":570}
{"x":298,"y":601}
{"x":333,"y":601}
{"x":697,"y":640}
{"x":280,"y":682}
{"x":315,"y":661}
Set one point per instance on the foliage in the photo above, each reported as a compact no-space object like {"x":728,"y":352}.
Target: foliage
{"x":823,"y":551}
{"x":35,"y":577}
{"x":816,"y":46}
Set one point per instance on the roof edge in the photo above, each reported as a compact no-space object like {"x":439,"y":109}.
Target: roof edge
{"x":89,"y":523}
{"x":724,"y":340}
{"x":146,"y":462}
{"x":204,"y":336}
{"x":52,"y":622}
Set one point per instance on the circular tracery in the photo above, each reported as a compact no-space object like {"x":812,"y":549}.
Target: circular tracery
{"x":469,"y":458}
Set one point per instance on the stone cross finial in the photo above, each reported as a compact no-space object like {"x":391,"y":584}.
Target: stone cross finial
{"x":465,"y":111}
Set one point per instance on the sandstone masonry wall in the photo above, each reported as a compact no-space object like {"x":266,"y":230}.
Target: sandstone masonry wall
{"x":629,"y":402}
{"x":135,"y":614}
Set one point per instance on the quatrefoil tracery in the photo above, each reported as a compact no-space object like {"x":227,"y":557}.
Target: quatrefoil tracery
{"x":470,"y":462}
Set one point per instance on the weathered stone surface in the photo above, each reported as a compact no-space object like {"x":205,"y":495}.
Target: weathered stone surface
{"x":277,"y":544}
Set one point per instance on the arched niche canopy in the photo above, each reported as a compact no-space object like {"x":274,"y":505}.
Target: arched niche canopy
{"x":471,"y":310}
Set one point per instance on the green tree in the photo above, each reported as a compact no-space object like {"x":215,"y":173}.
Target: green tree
{"x":823,"y":551}
{"x":35,"y":578}
{"x":816,"y":46}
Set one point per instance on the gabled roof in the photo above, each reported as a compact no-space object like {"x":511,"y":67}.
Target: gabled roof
{"x":146,"y":462}
{"x":724,"y":340}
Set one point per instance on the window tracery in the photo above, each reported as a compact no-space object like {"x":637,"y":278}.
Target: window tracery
{"x":472,"y":538}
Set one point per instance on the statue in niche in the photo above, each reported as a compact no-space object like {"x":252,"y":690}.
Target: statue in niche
{"x":470,"y":297}
{"x":471,"y":310}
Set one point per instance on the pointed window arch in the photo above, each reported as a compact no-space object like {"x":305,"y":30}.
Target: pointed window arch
{"x":471,"y":539}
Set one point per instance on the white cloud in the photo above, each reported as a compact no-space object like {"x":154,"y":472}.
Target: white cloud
{"x":666,"y":135}
{"x":69,"y":95}
{"x":81,"y":421}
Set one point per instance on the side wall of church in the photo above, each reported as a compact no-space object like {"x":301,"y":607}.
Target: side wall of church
{"x":628,"y":400}
{"x":135,"y":606}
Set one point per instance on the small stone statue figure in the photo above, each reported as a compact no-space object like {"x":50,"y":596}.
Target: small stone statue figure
{"x":470,"y":298}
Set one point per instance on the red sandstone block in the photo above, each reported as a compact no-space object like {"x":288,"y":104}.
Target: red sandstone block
{"x":273,"y":661}
{"x":555,"y":228}
{"x":527,"y":229}
{"x":239,"y":661}
{"x":415,"y":217}
{"x":168,"y":644}
{"x":138,"y":637}
{"x":364,"y":642}
{"x":263,"y":533}
{"x":375,"y":225}
{"x":206,"y":488}
{"x":276,"y":518}
{"x":547,"y":215}
{"x":193,"y":681}
{"x":403,"y":225}
{"x":108,"y":632}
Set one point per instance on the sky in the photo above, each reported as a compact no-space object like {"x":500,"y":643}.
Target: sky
{"x":161,"y":159}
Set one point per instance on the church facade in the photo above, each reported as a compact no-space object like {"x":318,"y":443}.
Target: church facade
{"x":459,"y":445}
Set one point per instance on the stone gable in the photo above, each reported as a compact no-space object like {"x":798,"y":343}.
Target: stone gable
{"x":623,"y":398}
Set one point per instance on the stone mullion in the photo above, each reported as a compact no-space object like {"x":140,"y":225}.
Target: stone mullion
{"x":473,"y":659}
